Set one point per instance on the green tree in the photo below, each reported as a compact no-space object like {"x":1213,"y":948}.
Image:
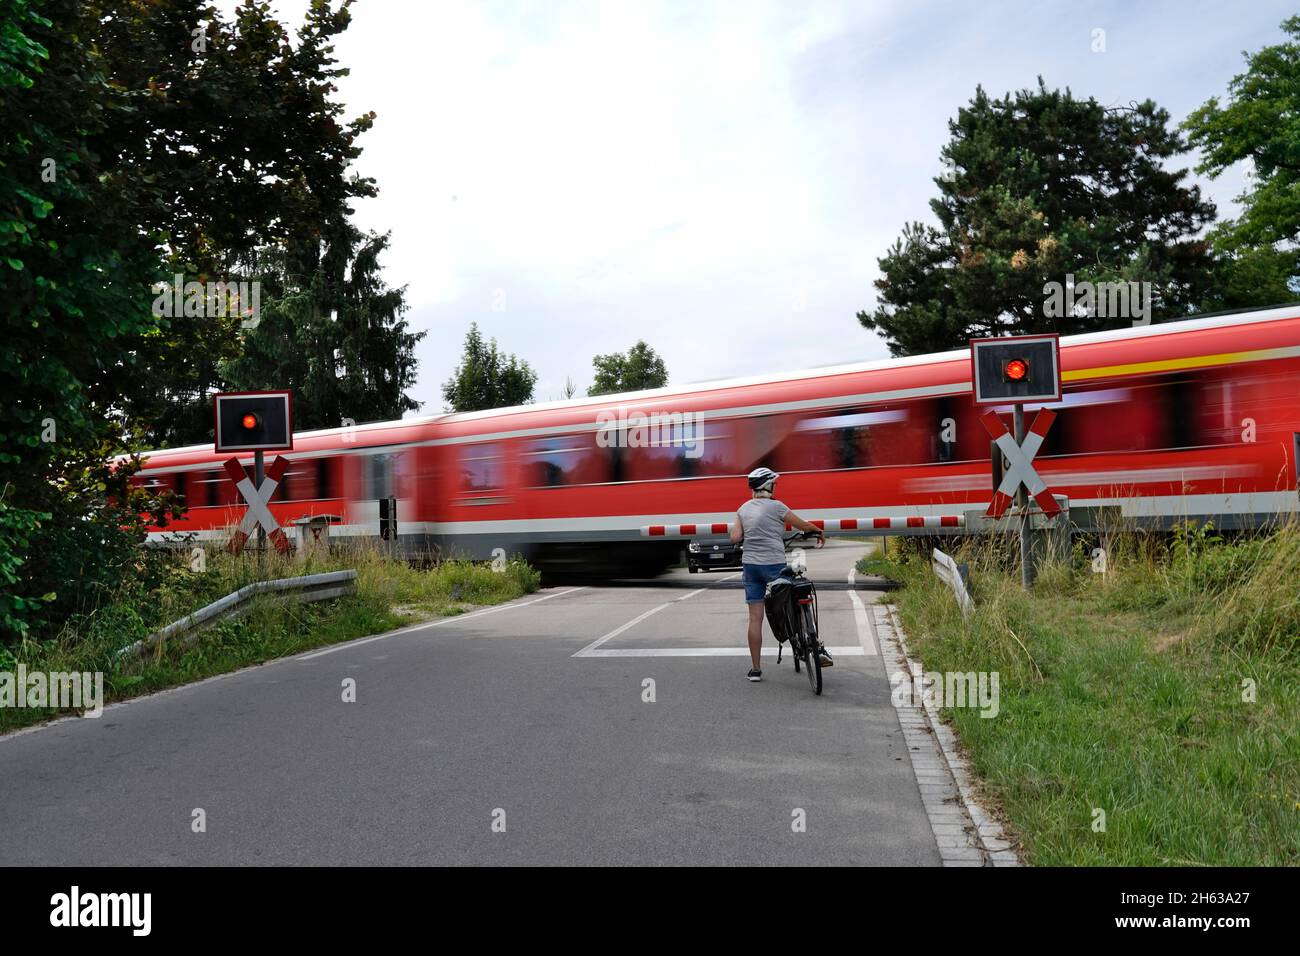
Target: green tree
{"x":134,"y":149}
{"x":331,"y":330}
{"x":230,"y":140}
{"x":1259,"y":123}
{"x":73,"y":274}
{"x":1041,"y":185}
{"x":640,"y":368}
{"x":487,"y":377}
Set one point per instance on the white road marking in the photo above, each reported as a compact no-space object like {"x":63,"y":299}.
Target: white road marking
{"x":590,"y":649}
{"x":866,"y":633}
{"x":437,"y":623}
{"x":709,"y":587}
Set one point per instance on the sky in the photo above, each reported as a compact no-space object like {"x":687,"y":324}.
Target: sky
{"x":717,"y":178}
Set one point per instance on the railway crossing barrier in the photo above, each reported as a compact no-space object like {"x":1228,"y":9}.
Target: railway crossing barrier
{"x":896,"y":524}
{"x":1044,"y":523}
{"x":975,"y":521}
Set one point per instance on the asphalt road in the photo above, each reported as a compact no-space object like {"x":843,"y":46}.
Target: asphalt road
{"x":485,"y":740}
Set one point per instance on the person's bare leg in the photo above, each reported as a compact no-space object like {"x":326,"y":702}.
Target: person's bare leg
{"x":756,"y":634}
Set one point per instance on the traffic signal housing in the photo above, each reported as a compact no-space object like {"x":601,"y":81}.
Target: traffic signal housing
{"x":1020,"y":368}
{"x":252,"y":421}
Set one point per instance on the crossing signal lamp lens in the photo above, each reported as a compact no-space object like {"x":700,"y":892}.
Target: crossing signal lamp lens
{"x":1017,"y":370}
{"x":250,"y":421}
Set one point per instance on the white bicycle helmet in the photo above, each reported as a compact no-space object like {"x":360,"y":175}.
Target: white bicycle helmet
{"x":762,"y":479}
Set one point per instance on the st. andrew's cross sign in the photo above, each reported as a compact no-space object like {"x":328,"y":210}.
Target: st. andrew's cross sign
{"x":1019,"y":458}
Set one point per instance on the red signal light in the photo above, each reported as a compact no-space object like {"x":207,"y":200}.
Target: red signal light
{"x":1016,"y":370}
{"x":250,"y":421}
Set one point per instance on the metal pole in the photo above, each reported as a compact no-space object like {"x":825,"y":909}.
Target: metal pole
{"x":1022,"y":500}
{"x":259,"y":475}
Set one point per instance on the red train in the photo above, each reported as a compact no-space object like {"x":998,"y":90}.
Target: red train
{"x":1195,"y":419}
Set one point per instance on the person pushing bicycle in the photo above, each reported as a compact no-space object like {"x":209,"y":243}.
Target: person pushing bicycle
{"x":760,"y":525}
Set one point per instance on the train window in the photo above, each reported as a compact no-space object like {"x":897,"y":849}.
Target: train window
{"x":843,"y":438}
{"x":662,"y":450}
{"x":1232,"y":398}
{"x":1108,"y":418}
{"x":324,"y":477}
{"x":720,"y":447}
{"x":765,"y":435}
{"x":943,"y":413}
{"x":208,"y":480}
{"x":481,"y":467}
{"x":377,"y":471}
{"x":221,"y":490}
{"x":297,"y":481}
{"x":564,"y":460}
{"x":156,"y":484}
{"x":284,"y":490}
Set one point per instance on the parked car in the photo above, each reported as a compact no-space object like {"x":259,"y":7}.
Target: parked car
{"x":713,"y":556}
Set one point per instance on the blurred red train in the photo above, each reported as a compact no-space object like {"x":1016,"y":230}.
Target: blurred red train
{"x":1186,"y":420}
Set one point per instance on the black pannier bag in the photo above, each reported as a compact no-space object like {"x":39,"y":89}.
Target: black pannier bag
{"x":777,"y":602}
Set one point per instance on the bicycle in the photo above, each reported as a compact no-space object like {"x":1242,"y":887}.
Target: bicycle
{"x":790,"y":602}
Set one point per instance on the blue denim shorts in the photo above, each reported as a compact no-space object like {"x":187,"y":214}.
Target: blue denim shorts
{"x":755,"y":578}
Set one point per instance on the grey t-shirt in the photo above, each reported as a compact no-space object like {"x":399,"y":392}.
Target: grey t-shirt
{"x":764,"y":522}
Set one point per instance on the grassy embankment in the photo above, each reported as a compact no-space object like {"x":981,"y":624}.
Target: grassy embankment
{"x":389,"y":594}
{"x":1128,"y":691}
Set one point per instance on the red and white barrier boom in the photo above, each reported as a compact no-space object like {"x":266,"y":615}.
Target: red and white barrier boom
{"x":707,"y":529}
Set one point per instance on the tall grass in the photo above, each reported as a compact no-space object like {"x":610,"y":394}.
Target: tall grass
{"x":1128,"y":692}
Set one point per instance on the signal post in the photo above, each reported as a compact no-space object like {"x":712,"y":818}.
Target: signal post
{"x":1016,"y":370}
{"x":258,"y":422}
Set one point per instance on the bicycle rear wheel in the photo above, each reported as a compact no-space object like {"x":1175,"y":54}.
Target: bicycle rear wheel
{"x":815,"y":672}
{"x":808,"y":638}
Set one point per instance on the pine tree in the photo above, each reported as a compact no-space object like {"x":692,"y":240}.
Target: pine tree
{"x":1040,"y":186}
{"x":331,"y":330}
